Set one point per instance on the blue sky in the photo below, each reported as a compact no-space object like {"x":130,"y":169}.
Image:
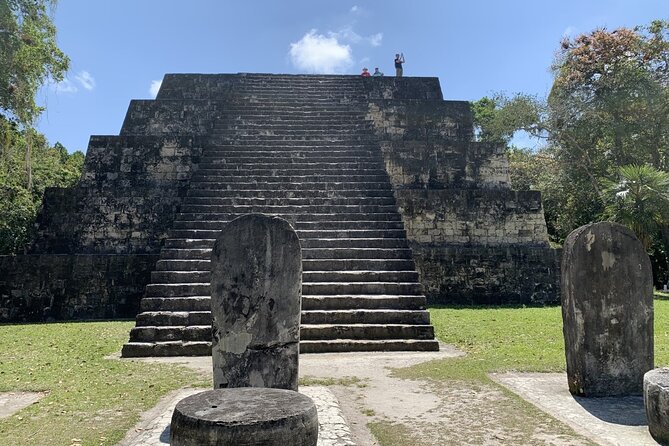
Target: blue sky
{"x":121,"y":49}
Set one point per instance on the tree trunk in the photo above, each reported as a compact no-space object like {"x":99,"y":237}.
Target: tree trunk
{"x":29,"y":163}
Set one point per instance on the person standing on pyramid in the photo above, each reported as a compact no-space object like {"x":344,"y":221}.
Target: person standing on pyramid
{"x":399,"y":60}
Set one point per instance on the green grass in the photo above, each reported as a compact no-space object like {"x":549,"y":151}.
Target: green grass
{"x":510,"y":339}
{"x":90,"y":399}
{"x":393,"y":434}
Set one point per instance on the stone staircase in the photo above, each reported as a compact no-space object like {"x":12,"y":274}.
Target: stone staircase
{"x":301,"y":149}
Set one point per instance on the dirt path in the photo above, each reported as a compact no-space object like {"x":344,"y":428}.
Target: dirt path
{"x":417,"y":412}
{"x":421,"y":412}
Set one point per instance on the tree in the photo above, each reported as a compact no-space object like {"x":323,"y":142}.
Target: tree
{"x":29,"y":57}
{"x":53,"y":166}
{"x":608,"y":108}
{"x":640,"y":200}
{"x":499,"y":117}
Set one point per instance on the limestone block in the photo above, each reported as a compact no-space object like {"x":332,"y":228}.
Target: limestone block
{"x":256,"y":288}
{"x":656,"y":400}
{"x":607,"y":311}
{"x":245,"y":417}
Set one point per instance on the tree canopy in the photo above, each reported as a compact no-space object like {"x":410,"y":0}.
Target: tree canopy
{"x":606,"y":130}
{"x":29,"y":56}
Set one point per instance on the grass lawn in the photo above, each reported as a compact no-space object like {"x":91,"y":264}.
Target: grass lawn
{"x":512,"y":339}
{"x":91,"y":400}
{"x":94,"y":401}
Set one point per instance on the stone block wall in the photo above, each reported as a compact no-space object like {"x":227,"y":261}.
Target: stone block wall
{"x":473,"y":216}
{"x":488,"y":275}
{"x":48,"y":287}
{"x":125,"y":202}
{"x":475,"y":240}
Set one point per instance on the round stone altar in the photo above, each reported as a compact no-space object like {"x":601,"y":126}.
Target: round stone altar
{"x":656,"y":400}
{"x":245,"y":416}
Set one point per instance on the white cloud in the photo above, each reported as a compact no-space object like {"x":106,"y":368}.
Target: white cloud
{"x":317,"y":53}
{"x":155,"y":86}
{"x":85,"y":80}
{"x":65,"y":86}
{"x":375,"y":39}
{"x":355,"y":9}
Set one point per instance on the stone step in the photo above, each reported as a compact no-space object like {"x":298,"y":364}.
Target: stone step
{"x":180,"y":276}
{"x":308,"y":288}
{"x":165,"y":304}
{"x":237,"y":139}
{"x":285,"y":201}
{"x":320,"y":332}
{"x":303,"y":234}
{"x":348,"y":225}
{"x":162,"y":333}
{"x":231,"y":179}
{"x":331,"y":288}
{"x":340,"y":173}
{"x":276,"y":133}
{"x":205,"y":210}
{"x":175,"y":318}
{"x":355,"y":243}
{"x":292,"y":193}
{"x":188,"y":243}
{"x":185,"y":254}
{"x":258,"y":165}
{"x":183,"y":264}
{"x":312,"y":152}
{"x":307,"y":125}
{"x":161,"y":349}
{"x":309,"y":302}
{"x":354,"y":316}
{"x":290,"y":142}
{"x":323,"y":221}
{"x":353,"y":265}
{"x":177,"y":289}
{"x":359,"y":276}
{"x":217,"y":217}
{"x":250,"y":120}
{"x":336,"y":316}
{"x":288,"y":158}
{"x":366,"y":276}
{"x":203,"y":264}
{"x":354,"y":345}
{"x":363,"y":301}
{"x":308,"y":186}
{"x":203,"y":348}
{"x":355,"y":253}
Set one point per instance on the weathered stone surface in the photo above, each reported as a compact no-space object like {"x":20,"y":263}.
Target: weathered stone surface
{"x":256,"y":284}
{"x":656,"y":400}
{"x":245,"y":416}
{"x":488,"y":275}
{"x":607,"y":310}
{"x":36,"y":288}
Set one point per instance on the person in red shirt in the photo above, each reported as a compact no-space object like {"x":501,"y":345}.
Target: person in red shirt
{"x":365,"y":73}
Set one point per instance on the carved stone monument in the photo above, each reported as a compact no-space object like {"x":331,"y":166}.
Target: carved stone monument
{"x":245,"y":417}
{"x":256,"y":283}
{"x":656,"y":400}
{"x":607,"y":310}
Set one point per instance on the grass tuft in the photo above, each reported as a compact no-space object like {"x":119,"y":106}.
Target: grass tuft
{"x":91,"y":399}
